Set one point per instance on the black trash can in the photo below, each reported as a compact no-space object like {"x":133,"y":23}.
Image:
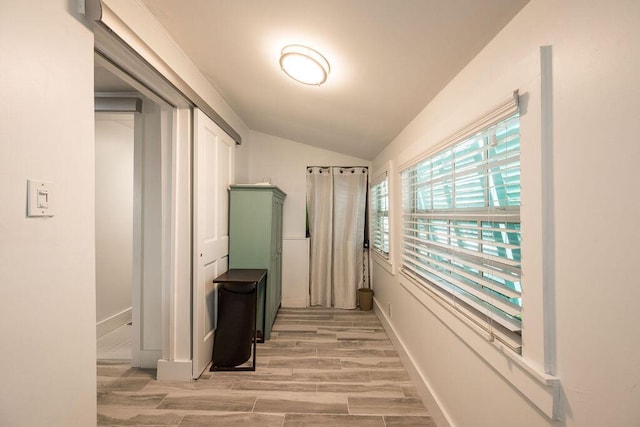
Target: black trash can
{"x":235,"y":333}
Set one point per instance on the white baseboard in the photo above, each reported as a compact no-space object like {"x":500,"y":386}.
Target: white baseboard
{"x":112,"y":323}
{"x":423,"y":388}
{"x":174,"y":370}
{"x":294,"y":302}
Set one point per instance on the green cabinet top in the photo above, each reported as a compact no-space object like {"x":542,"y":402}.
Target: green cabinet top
{"x":254,"y":187}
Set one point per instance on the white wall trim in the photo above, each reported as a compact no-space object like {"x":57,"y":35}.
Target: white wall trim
{"x":295,"y":272}
{"x":424,"y":389}
{"x":112,"y":323}
{"x":174,"y":370}
{"x":548,"y":209}
{"x":294,"y":302}
{"x":177,"y":337}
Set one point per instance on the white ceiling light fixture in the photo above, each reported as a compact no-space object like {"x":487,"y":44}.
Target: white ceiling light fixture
{"x":304,"y":64}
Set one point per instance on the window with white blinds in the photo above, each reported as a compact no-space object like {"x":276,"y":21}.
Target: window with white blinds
{"x":380,"y":215}
{"x":461,"y":224}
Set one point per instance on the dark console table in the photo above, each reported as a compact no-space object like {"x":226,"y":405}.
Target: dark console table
{"x":238,"y":330}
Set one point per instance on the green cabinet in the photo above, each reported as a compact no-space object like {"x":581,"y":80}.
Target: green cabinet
{"x":255,"y":241}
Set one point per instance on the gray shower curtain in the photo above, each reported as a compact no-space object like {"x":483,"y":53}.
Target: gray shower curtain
{"x":336,"y":199}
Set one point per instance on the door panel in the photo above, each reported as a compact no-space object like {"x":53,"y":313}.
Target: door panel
{"x":213,"y":173}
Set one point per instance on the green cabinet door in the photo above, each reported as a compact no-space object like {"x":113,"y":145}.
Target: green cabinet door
{"x":255,"y":240}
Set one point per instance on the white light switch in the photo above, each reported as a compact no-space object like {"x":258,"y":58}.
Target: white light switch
{"x":40,"y":195}
{"x":43,"y":198}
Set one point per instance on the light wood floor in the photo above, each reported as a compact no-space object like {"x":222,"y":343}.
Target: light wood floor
{"x":322,"y":367}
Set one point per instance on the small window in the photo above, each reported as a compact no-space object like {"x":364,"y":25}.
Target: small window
{"x":380,"y":216}
{"x":461,"y":226}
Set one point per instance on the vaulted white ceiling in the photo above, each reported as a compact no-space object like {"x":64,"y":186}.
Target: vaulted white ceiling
{"x":388,"y":58}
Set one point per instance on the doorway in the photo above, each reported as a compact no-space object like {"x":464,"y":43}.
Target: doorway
{"x":114,"y":194}
{"x":133,"y":129}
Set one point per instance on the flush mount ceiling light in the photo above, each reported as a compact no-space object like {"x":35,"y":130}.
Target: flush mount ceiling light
{"x":304,"y":64}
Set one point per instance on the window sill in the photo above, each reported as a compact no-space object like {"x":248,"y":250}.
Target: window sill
{"x":383,"y":262}
{"x":542,"y":390}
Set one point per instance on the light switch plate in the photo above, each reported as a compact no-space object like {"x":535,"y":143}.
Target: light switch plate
{"x":41,"y":198}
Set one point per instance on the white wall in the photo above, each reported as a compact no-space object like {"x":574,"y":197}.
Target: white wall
{"x":47,"y":296}
{"x":285,"y":163}
{"x":295,"y":272}
{"x":596,"y":100}
{"x":241,"y":157}
{"x":114,"y":219}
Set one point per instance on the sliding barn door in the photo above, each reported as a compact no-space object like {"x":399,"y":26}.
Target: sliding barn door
{"x":213,"y":173}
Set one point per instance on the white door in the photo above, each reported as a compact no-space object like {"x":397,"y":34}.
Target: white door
{"x":213,"y":173}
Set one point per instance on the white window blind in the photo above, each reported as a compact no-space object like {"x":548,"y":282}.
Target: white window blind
{"x":380,"y":215}
{"x":461,"y":223}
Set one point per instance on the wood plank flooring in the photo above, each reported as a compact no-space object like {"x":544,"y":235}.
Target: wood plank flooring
{"x":322,"y":367}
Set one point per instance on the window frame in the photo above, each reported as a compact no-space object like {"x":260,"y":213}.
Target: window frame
{"x":380,"y":197}
{"x":532,"y":373}
{"x":419,"y":250}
